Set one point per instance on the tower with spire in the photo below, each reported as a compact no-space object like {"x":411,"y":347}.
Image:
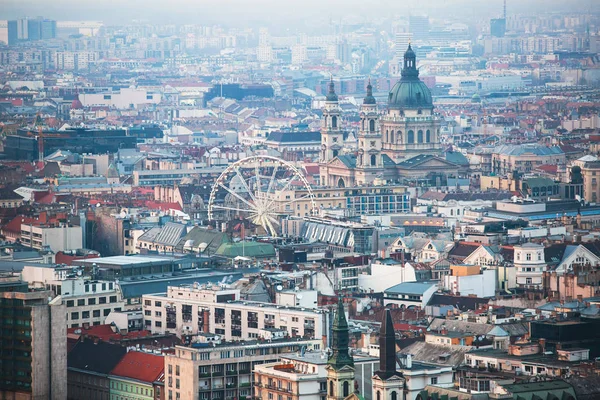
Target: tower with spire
{"x":340,"y":364}
{"x":332,"y":136}
{"x":388,"y":383}
{"x":369,"y":162}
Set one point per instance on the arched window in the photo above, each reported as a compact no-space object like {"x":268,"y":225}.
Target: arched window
{"x":378,"y":395}
{"x":411,"y":137}
{"x":420,"y":136}
{"x":387,"y":136}
{"x":394,"y":395}
{"x":400,"y":137}
{"x":419,"y":111}
{"x":372,"y":125}
{"x":341,"y":183}
{"x":346,"y":389}
{"x":392,"y":137}
{"x":428,"y":136}
{"x":334,"y":122}
{"x":362,"y":122}
{"x":373,"y":160}
{"x":331,"y":388}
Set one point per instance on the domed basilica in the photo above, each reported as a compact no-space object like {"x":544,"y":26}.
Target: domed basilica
{"x":403,"y":142}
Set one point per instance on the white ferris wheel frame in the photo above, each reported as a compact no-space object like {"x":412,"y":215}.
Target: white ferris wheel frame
{"x":259,"y":205}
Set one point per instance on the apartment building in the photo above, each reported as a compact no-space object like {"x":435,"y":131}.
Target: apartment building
{"x":88,"y":301}
{"x":189,"y":310}
{"x":33,"y":356}
{"x":57,"y":237}
{"x":304,"y":376}
{"x":214,"y":370}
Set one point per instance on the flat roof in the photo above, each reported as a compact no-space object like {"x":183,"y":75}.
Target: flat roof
{"x":126,"y":260}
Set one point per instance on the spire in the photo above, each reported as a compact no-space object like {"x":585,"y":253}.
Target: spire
{"x":387,"y":347}
{"x":410,"y":63}
{"x":340,"y":355}
{"x":369,"y":99}
{"x":331,"y":96}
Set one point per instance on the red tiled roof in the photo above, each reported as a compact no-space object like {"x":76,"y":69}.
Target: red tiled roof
{"x":163,"y":206}
{"x":141,"y":366}
{"x":550,"y":169}
{"x":14,"y":225}
{"x":106,"y":334}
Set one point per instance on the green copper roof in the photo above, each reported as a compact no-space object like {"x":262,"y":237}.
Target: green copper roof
{"x":340,"y":356}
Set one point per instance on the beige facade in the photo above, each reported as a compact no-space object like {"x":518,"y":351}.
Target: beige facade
{"x":524,"y":158}
{"x":591,"y":181}
{"x":225,"y":370}
{"x":191,"y":310}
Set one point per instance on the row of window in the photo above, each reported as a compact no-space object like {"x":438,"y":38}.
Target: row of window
{"x":95,"y":314}
{"x":92,"y":301}
{"x":124,"y":387}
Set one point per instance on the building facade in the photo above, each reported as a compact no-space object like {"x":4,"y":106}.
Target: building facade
{"x":222,"y":371}
{"x":197,"y":309}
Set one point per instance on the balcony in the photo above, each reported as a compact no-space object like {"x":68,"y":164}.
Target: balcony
{"x":230,"y":385}
{"x":217,"y":373}
{"x":217,"y":387}
{"x":231,"y":372}
{"x":247,"y":384}
{"x":204,"y":375}
{"x":204,"y":388}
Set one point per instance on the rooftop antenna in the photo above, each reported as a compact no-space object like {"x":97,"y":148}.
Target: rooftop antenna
{"x":504,"y":11}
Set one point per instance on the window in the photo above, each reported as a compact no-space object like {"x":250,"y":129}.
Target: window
{"x":157,"y":324}
{"x":74,"y":315}
{"x":113,"y":299}
{"x":85,"y":314}
{"x":346,"y":389}
{"x":394,"y":395}
{"x":147,"y":303}
{"x":70,"y":303}
{"x":177,"y":370}
{"x":106,"y":312}
{"x":528,"y":257}
{"x":96,"y":313}
{"x":158,"y":304}
{"x":331,"y":388}
{"x":434,"y":380}
{"x":410,"y":137}
{"x":177,"y":383}
{"x":102,"y":300}
{"x":81,"y":302}
{"x":91,"y":302}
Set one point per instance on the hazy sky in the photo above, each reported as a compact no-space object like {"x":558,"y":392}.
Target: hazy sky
{"x":245,"y":13}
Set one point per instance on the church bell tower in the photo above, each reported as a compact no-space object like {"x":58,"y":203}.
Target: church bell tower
{"x":340,"y":364}
{"x":388,"y":383}
{"x":369,"y":162}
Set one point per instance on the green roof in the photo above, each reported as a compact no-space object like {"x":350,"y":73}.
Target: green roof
{"x":247,"y":249}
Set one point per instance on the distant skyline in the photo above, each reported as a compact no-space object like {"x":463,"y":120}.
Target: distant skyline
{"x":288,"y":13}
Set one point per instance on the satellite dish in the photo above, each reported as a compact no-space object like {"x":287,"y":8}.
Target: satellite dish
{"x":480,"y":338}
{"x":299,"y":296}
{"x":296,"y":288}
{"x":79,"y":273}
{"x":279,"y":288}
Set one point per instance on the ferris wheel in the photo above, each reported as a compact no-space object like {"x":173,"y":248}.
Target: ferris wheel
{"x":262,"y":189}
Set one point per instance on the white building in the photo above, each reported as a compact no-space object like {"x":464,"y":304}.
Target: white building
{"x":420,"y":374}
{"x":480,"y":284}
{"x":211,"y":309}
{"x":88,"y":301}
{"x":386,"y":273}
{"x":59,"y":238}
{"x":125,"y":98}
{"x":409,"y":294}
{"x":530,"y":264}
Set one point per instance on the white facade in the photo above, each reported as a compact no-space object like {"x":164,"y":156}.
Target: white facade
{"x":386,"y":273}
{"x":420,"y":374}
{"x":480,"y":285}
{"x":60,"y":238}
{"x":530,"y":264}
{"x":191,"y":310}
{"x":90,"y":302}
{"x":126,"y":98}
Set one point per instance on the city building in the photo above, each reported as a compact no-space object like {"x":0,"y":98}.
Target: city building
{"x":403,"y":144}
{"x":89,"y":365}
{"x":34,"y":349}
{"x":530,"y":265}
{"x":410,"y":294}
{"x":189,"y":310}
{"x":213,"y":369}
{"x":138,"y":375}
{"x":388,"y":382}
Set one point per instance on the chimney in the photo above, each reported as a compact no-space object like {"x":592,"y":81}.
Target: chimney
{"x":542,"y":343}
{"x":408,"y":361}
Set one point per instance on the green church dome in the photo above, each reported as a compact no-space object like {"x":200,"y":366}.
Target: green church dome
{"x":410,"y":91}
